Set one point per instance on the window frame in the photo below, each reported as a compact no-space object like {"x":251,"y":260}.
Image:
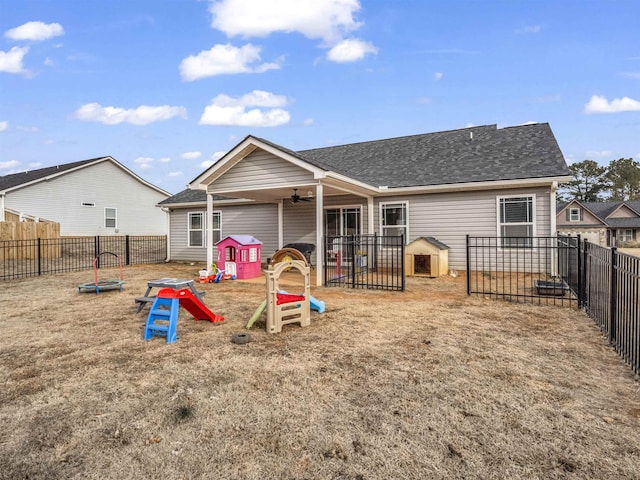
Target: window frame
{"x":574,"y":214}
{"x":500,"y":224}
{"x":114,"y":217}
{"x":213,"y":230}
{"x":381,"y":220}
{"x":202,"y":229}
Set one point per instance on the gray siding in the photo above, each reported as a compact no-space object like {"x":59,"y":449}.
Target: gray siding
{"x":449,"y":217}
{"x":105,"y":185}
{"x":261,"y":169}
{"x":261,"y":221}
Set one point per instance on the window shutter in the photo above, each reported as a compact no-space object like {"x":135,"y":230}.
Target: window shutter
{"x":581,"y":216}
{"x":568,"y":212}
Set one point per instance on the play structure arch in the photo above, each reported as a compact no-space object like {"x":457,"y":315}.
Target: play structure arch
{"x":98,"y":285}
{"x":287,"y":255}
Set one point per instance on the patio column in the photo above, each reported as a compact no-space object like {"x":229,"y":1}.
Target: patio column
{"x":319,"y":234}
{"x":209,"y":223}
{"x":280,"y":224}
{"x":370,"y":224}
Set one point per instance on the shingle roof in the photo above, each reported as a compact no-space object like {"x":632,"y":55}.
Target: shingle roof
{"x":475,"y":154}
{"x":190,"y":196}
{"x":16,"y":179}
{"x":604,"y":209}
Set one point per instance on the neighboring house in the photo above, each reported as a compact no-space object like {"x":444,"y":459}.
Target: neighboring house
{"x":99,"y":196}
{"x":608,"y":224}
{"x":483,"y":181}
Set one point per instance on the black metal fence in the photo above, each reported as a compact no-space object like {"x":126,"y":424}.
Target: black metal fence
{"x":566,"y":271}
{"x":364,"y":261}
{"x":612,"y":283}
{"x":41,"y":256}
{"x":542,"y":270}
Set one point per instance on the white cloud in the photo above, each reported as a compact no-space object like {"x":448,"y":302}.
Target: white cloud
{"x":11,"y":61}
{"x":350,"y":50}
{"x":225,"y":110}
{"x":329,"y":20}
{"x":175,"y":174}
{"x":35,"y":31}
{"x":191,"y":155}
{"x":599,"y":154}
{"x":142,"y":115}
{"x":308,"y":121}
{"x":4,"y":126}
{"x":144,"y":163}
{"x":9,"y":164}
{"x":35,"y":164}
{"x":438,"y":76}
{"x":530,"y":29}
{"x":224,"y":60}
{"x":164,"y":159}
{"x":206,"y":164}
{"x":215,"y":156}
{"x":599,"y":104}
{"x":631,"y":75}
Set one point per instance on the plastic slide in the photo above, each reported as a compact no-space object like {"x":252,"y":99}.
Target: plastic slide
{"x":315,"y":304}
{"x":195,"y":307}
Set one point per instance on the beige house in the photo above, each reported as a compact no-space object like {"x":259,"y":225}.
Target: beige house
{"x":608,"y":224}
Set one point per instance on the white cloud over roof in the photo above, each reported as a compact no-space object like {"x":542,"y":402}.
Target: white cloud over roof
{"x":142,"y":115}
{"x":599,"y":104}
{"x":328,"y":20}
{"x":191,"y":155}
{"x":35,"y":31}
{"x":350,"y":50}
{"x":224,"y":60}
{"x":226,"y":110}
{"x":11,"y":61}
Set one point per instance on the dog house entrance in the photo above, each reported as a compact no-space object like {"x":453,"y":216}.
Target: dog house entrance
{"x":422,"y":264}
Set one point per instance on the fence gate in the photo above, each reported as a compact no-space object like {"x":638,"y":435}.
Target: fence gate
{"x":364,"y":261}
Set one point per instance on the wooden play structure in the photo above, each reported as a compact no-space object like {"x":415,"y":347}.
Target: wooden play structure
{"x":284,"y":308}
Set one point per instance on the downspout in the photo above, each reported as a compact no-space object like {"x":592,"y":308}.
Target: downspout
{"x":553,"y":228}
{"x":209,"y":225}
{"x":167,"y":212}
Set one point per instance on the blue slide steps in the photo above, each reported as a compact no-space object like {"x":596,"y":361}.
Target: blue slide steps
{"x":162,"y":320}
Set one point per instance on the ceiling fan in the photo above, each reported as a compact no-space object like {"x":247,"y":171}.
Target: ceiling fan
{"x":295,"y":198}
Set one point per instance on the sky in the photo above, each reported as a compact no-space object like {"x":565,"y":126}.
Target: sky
{"x":166,"y":87}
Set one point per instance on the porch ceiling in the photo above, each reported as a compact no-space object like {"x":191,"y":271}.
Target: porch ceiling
{"x":275,"y":194}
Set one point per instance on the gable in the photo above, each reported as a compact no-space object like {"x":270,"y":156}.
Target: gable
{"x":623,"y":212}
{"x":261,"y":169}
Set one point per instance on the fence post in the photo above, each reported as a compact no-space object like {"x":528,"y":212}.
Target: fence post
{"x":126,"y":250}
{"x":583,"y":274}
{"x":96,"y":249}
{"x":39,"y":257}
{"x":579,"y":272}
{"x":402,"y":260}
{"x":468,"y":267}
{"x":352,"y":247}
{"x":613,"y":320}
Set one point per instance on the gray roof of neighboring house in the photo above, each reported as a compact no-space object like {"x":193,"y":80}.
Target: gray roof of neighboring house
{"x":603,"y":209}
{"x":475,"y":154}
{"x":28,"y":176}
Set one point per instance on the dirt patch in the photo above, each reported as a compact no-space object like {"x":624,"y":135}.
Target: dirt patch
{"x":426,"y":383}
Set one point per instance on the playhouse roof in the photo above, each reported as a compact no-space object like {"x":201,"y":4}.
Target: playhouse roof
{"x":242,"y":239}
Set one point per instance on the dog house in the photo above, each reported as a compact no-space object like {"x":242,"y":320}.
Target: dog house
{"x":427,"y":257}
{"x":240,"y":255}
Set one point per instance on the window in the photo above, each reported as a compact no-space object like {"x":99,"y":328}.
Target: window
{"x":393,"y":221}
{"x":574,"y":215}
{"x":626,"y":235}
{"x":110,"y":217}
{"x":196,"y":229}
{"x":516,"y":225}
{"x":217,"y":226}
{"x":342,"y":221}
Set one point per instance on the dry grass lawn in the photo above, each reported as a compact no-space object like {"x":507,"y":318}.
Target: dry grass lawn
{"x":426,"y":383}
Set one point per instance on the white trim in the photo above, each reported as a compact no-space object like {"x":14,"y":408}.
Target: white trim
{"x":381,"y":225}
{"x":534,"y":219}
{"x":115,"y":217}
{"x":209,"y":238}
{"x":571,"y":212}
{"x":370,"y":216}
{"x":319,"y":234}
{"x":280,"y":224}
{"x":203,"y":229}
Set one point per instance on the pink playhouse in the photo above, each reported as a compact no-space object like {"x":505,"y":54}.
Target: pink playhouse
{"x":240,"y":255}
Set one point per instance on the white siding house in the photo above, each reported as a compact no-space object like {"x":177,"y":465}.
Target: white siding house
{"x":443,"y":185}
{"x":90,"y":197}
